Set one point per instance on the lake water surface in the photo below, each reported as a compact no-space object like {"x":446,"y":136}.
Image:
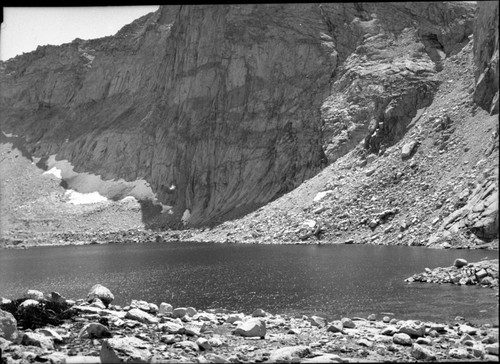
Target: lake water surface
{"x":327,"y":280}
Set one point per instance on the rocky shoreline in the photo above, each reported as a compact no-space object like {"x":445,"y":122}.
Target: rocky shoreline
{"x":483,"y":273}
{"x":26,"y":240}
{"x":49,"y":328}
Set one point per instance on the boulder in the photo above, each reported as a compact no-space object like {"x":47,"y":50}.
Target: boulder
{"x":407,"y":149}
{"x":458,"y":353}
{"x":153,"y":308}
{"x":459,"y":263}
{"x":27,"y":303}
{"x":34,"y":295}
{"x":179,"y":312}
{"x":142,"y":305}
{"x":94,"y":330}
{"x":492,"y":349}
{"x":411,"y":328}
{"x":8,"y":326}
{"x":402,"y":339}
{"x":421,"y":353}
{"x":286,"y":354}
{"x":203,"y":344}
{"x":57,"y":298}
{"x":191,"y":311}
{"x":466,"y":329}
{"x":165,"y":309}
{"x":317,"y":321}
{"x":125,"y":350}
{"x":324,"y":358}
{"x":347,"y":323}
{"x":47,"y":331}
{"x":141,"y":316}
{"x":36,"y":339}
{"x":186,"y":344}
{"x":193,"y":328}
{"x":235,"y":317}
{"x":259,"y":313}
{"x":172,"y":327}
{"x":252,"y":328}
{"x":336,"y":326}
{"x":101,"y":292}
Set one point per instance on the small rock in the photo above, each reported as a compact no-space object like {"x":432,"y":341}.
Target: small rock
{"x":94,"y":331}
{"x":411,"y":328}
{"x":141,"y":316}
{"x":27,"y":303}
{"x":458,"y":353}
{"x":191,"y":311}
{"x":57,"y":298}
{"x":193,"y":328}
{"x":424,"y":341}
{"x":215,"y":342}
{"x":79,"y":359}
{"x":408,"y":149}
{"x":40,"y":340}
{"x":372,"y":317}
{"x":234,"y":317}
{"x":287,"y":354}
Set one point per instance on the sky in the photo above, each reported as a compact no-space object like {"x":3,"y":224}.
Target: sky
{"x":25,"y":28}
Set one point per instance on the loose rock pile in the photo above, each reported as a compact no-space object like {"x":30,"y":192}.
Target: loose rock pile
{"x":100,"y":332}
{"x":484,"y":273}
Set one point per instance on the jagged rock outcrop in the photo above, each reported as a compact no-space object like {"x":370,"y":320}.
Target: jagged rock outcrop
{"x":223,"y":108}
{"x":486,"y":56}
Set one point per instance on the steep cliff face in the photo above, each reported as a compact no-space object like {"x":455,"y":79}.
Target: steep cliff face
{"x":224,"y":108}
{"x":486,"y":56}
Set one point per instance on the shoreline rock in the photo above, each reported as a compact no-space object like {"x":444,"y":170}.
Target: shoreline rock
{"x":90,"y":334}
{"x":483,"y":273}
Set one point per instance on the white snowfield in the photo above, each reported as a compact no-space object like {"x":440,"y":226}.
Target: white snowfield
{"x":55,"y":172}
{"x":77,"y":198}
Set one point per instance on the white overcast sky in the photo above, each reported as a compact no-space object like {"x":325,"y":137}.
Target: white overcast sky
{"x":25,"y":28}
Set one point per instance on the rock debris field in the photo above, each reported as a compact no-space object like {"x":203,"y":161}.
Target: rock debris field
{"x":49,"y":328}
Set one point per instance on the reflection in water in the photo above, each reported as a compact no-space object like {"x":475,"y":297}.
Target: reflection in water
{"x":332,"y":281}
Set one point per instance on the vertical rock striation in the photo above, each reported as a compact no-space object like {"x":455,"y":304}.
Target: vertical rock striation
{"x":486,"y":56}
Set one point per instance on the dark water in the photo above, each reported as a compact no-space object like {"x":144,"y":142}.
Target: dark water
{"x":332,"y":281}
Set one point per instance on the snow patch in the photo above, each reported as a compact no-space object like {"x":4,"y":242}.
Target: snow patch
{"x":322,"y":195}
{"x":55,"y":172}
{"x":77,"y":198}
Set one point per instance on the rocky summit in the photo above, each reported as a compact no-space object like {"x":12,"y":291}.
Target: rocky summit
{"x":269,"y":123}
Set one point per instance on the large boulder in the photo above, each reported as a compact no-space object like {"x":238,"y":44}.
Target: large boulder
{"x":8,"y":326}
{"x":101,"y":292}
{"x":125,"y":350}
{"x":251,"y":328}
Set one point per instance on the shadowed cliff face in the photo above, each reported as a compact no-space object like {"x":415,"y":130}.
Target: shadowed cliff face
{"x":486,"y":56}
{"x":224,"y":108}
